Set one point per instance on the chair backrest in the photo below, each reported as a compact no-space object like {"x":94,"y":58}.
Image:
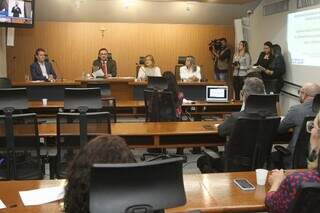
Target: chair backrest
{"x":18,"y":135}
{"x":5,"y":83}
{"x":157,"y":83}
{"x":301,"y":149}
{"x":307,"y":199}
{"x":182,"y":60}
{"x":316,"y":104}
{"x":159,"y":106}
{"x":110,"y":105}
{"x":15,"y":98}
{"x":177,"y":72}
{"x":74,"y":98}
{"x":264,"y":105}
{"x":152,"y":186}
{"x":250,"y":143}
{"x":76,"y":129}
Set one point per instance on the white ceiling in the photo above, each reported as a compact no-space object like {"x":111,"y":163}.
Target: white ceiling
{"x":144,"y":11}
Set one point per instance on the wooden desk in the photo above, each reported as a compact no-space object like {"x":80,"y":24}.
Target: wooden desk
{"x":208,"y":193}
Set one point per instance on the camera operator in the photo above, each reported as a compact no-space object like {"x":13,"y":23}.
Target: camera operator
{"x":221,"y":55}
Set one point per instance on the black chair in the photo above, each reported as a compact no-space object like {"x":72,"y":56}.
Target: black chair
{"x":181,"y":62}
{"x":250,"y":143}
{"x":264,"y":105}
{"x":301,"y":150}
{"x":74,"y":130}
{"x":110,"y":105}
{"x":15,"y":98}
{"x":5,"y":83}
{"x":20,"y":147}
{"x":316,"y":104}
{"x":74,"y":98}
{"x":307,"y":199}
{"x":139,"y":64}
{"x":157,"y":83}
{"x":145,"y":187}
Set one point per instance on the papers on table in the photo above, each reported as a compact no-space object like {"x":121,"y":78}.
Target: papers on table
{"x":98,"y":73}
{"x":186,"y":101}
{"x":42,"y":196}
{"x":2,"y":206}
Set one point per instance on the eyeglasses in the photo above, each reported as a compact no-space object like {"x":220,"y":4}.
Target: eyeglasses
{"x":309,"y":126}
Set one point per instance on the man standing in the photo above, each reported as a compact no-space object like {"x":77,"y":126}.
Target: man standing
{"x":16,"y":11}
{"x":105,"y":63}
{"x":221,"y":58}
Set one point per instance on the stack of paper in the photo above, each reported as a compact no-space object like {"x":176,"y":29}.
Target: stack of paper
{"x":2,"y":206}
{"x":42,"y":196}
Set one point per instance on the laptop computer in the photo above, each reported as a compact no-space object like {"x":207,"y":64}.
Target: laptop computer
{"x":217,"y":94}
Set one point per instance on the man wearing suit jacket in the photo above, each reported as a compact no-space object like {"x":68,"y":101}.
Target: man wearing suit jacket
{"x":41,"y":69}
{"x":297,"y":113}
{"x":252,"y":86}
{"x":107,"y":65}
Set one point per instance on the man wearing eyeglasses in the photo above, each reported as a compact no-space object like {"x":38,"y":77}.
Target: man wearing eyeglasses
{"x":296,"y":115}
{"x":104,"y":64}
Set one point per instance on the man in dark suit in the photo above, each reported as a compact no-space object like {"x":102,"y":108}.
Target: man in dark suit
{"x":42,"y":69}
{"x":105,"y":63}
{"x":16,"y":11}
{"x":252,"y":86}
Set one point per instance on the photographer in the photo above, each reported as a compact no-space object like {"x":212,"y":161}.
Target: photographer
{"x":221,"y":55}
{"x":241,"y":64}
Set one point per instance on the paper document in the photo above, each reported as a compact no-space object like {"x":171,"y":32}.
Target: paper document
{"x":42,"y":196}
{"x":186,"y":101}
{"x":2,"y":206}
{"x":98,"y":73}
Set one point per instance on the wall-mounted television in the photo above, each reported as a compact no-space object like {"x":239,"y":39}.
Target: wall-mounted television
{"x":16,"y":13}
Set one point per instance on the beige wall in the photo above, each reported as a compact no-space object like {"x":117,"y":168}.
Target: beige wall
{"x":3,"y":62}
{"x":74,"y":45}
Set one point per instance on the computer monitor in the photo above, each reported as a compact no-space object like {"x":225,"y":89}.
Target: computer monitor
{"x":74,"y":98}
{"x":157,"y":83}
{"x":150,"y":186}
{"x":13,"y":97}
{"x":217,"y":94}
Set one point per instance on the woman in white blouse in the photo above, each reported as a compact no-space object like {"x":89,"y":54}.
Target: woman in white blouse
{"x":190,"y":72}
{"x":148,"y":69}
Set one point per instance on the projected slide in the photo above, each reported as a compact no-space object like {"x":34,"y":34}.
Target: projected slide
{"x":304,"y":37}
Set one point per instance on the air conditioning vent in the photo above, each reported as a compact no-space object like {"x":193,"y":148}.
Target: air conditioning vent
{"x":278,"y":7}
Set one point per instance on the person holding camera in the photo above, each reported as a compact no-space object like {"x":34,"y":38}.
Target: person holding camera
{"x":241,"y":64}
{"x":221,"y":55}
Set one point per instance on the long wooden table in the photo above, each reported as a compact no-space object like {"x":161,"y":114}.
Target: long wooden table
{"x":122,"y":88}
{"x":136,"y":108}
{"x":207,"y":192}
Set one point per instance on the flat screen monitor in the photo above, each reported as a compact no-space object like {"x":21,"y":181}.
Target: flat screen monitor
{"x":217,"y":94}
{"x":157,"y":83}
{"x":127,"y":188}
{"x":17,"y":13}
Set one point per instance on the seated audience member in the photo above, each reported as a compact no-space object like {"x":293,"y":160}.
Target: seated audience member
{"x":148,"y":69}
{"x":41,"y":69}
{"x":297,"y":113}
{"x":190,"y":72}
{"x":284,"y":187}
{"x":107,"y":65}
{"x":177,"y":94}
{"x":252,"y":86}
{"x":103,"y":149}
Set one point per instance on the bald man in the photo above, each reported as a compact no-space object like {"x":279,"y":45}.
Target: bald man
{"x":297,"y":113}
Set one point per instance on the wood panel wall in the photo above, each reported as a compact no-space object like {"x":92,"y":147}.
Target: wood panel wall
{"x":74,"y":45}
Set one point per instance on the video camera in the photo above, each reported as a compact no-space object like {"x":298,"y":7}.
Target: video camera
{"x":215,"y":45}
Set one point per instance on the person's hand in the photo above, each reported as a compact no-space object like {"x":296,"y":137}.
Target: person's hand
{"x":194,"y":78}
{"x":268,"y":72}
{"x":275,"y":179}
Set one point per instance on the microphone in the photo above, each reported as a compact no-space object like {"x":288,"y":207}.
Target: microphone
{"x":58,"y":68}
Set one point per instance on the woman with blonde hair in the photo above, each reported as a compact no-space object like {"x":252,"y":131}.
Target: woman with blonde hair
{"x":284,"y":187}
{"x":148,"y":69}
{"x":190,"y":72}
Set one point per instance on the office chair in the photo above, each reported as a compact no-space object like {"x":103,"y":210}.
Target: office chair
{"x":263,"y":105}
{"x":316,"y":104}
{"x":15,"y":98}
{"x":181,"y":62}
{"x":149,"y":187}
{"x":110,"y":105}
{"x":307,"y":199}
{"x":157,"y":83}
{"x":74,"y":130}
{"x":301,"y":150}
{"x":82,"y":97}
{"x":139,"y":64}
{"x":5,"y":83}
{"x":250,"y":143}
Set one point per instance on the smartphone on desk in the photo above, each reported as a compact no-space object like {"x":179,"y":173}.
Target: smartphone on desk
{"x":244,"y":184}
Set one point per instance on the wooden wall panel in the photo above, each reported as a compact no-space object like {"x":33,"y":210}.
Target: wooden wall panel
{"x":74,"y":45}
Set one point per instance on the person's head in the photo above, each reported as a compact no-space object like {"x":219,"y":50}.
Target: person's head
{"x":276,"y":50}
{"x":223,"y":42}
{"x":252,"y":86}
{"x":308,"y":91}
{"x":267,"y":48}
{"x":149,"y":61}
{"x":191,"y":63}
{"x":40,"y":55}
{"x":315,"y":143}
{"x":17,"y":3}
{"x":103,"y":54}
{"x":103,"y":149}
{"x":243,"y":46}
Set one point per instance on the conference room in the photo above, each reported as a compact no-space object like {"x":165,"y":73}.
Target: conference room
{"x":142,"y":106}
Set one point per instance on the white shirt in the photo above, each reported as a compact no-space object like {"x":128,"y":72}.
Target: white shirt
{"x":44,"y":70}
{"x":144,"y":72}
{"x":186,"y":74}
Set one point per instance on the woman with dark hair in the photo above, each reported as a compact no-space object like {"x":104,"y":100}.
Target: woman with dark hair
{"x":241,"y":64}
{"x":177,"y":94}
{"x":265,"y":57}
{"x":102,"y":149}
{"x":284,"y":187}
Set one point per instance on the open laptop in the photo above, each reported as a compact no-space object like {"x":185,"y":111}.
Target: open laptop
{"x":217,"y":94}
